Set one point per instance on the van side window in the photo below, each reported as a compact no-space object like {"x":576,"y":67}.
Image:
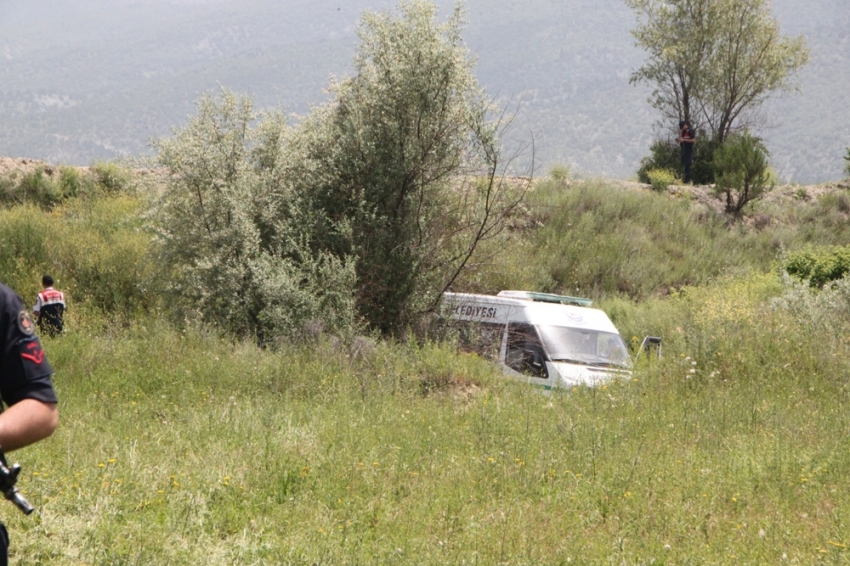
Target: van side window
{"x":525,"y":352}
{"x":482,"y":338}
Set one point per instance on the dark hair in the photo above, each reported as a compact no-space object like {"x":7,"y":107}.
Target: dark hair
{"x":682,"y":123}
{"x":47,"y":281}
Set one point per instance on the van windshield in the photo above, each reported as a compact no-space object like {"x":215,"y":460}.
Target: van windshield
{"x":579,"y":345}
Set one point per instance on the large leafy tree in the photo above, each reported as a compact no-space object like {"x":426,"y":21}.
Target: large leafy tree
{"x":367,"y":210}
{"x":405,"y":163}
{"x":714,"y":62}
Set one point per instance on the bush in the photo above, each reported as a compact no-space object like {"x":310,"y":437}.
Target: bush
{"x":111,"y":177}
{"x":742,"y":173}
{"x":39,"y":189}
{"x":47,"y":187}
{"x":233,"y":240}
{"x":660,"y":179}
{"x":94,"y":249}
{"x":819,"y":266}
{"x":664,"y":154}
{"x":560,"y":173}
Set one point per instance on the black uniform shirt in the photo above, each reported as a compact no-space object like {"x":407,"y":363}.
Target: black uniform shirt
{"x":24,"y":370}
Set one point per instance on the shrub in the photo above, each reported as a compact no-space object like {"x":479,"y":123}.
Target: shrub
{"x":560,"y":173}
{"x":819,"y":266}
{"x":47,"y":187}
{"x":378,"y":199}
{"x":39,"y":189}
{"x":741,"y":171}
{"x":660,"y":179}
{"x":664,"y":154}
{"x":111,"y":177}
{"x":232,"y":241}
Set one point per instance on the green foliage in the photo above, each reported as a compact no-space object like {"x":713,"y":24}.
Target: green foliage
{"x":38,"y":188}
{"x":560,"y":173}
{"x":713,"y":62}
{"x":819,"y":266}
{"x":230,"y":234}
{"x":742,"y":172}
{"x":180,"y":447}
{"x":660,"y":179}
{"x":94,"y":249}
{"x":47,"y":187}
{"x":376,"y":200}
{"x":404,"y":165}
{"x":111,"y":177}
{"x":660,"y":243}
{"x":664,"y":154}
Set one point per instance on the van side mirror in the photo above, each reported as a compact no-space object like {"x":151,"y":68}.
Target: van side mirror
{"x":650,"y":344}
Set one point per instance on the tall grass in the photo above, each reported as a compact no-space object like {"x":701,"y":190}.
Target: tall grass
{"x":179,"y":446}
{"x":95,"y":249}
{"x":596,"y":239}
{"x":183,"y":448}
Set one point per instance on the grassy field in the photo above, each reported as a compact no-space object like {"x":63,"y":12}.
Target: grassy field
{"x":179,"y":446}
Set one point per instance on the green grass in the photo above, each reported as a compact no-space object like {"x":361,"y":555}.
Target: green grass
{"x":594,"y":239}
{"x":179,"y":446}
{"x":183,"y":448}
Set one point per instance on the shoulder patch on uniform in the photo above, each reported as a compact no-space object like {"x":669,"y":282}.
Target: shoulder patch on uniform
{"x":25,"y":323}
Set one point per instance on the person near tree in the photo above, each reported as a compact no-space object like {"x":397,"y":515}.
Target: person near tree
{"x":687,"y":138}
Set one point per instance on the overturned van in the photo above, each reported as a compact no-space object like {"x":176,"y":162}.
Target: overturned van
{"x":548,"y":340}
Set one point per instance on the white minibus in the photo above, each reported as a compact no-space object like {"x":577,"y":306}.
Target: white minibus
{"x":544,"y":339}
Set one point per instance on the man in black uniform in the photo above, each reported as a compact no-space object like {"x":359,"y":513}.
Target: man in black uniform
{"x":25,"y":385}
{"x":687,"y":138}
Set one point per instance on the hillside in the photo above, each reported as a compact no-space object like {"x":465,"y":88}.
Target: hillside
{"x":99,"y":80}
{"x":181,"y":445}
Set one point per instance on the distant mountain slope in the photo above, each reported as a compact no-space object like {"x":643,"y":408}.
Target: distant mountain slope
{"x":96,"y":79}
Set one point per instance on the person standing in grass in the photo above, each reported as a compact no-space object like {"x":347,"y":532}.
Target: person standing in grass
{"x":26,"y":389}
{"x":49,"y":308}
{"x":687,"y":138}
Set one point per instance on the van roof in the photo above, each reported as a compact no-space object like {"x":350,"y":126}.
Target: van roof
{"x":547,"y":298}
{"x":518,"y":308}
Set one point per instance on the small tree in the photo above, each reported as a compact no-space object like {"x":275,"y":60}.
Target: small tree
{"x":741,"y":169}
{"x":713,"y":62}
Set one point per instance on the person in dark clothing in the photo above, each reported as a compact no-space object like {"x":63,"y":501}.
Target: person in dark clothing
{"x":687,"y":138}
{"x":26,"y":389}
{"x":49,"y":308}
